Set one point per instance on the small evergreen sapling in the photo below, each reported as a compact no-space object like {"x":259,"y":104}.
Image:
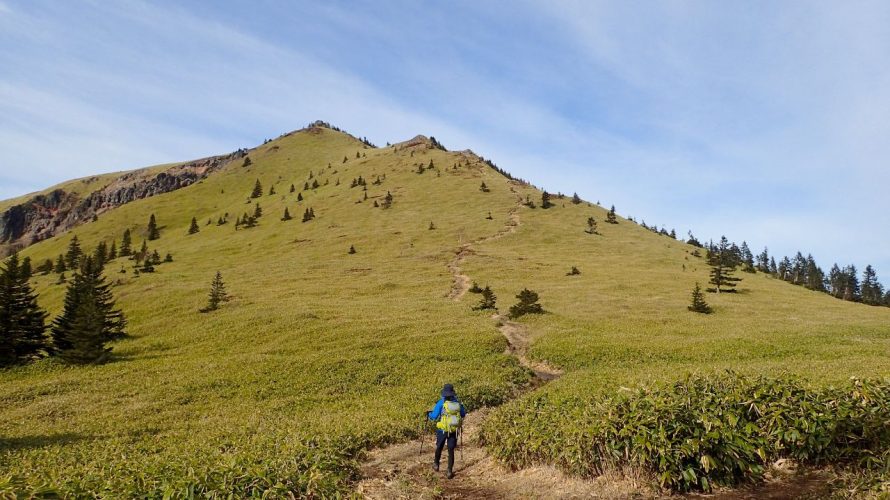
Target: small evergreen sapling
{"x":591,"y":226}
{"x":484,"y":188}
{"x":528,"y":304}
{"x":610,"y":217}
{"x":351,"y":249}
{"x":218,"y":293}
{"x":576,"y":199}
{"x":153,"y":232}
{"x":488,"y":300}
{"x":286,"y":215}
{"x":126,"y":244}
{"x":574,"y":271}
{"x":257,"y":190}
{"x":698,"y":301}
{"x":193,"y":228}
{"x":545,"y":200}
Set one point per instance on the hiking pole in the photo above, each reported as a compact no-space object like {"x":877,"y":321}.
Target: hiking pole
{"x":461,"y":435}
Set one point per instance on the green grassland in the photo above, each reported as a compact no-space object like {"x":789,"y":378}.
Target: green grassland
{"x":321,"y":354}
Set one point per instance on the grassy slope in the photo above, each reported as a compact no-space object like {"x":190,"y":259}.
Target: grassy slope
{"x":320,"y":344}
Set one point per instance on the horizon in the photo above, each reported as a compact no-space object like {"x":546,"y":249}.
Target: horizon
{"x":771,"y":134}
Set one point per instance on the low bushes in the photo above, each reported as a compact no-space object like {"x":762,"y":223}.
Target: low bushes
{"x":700,"y":432}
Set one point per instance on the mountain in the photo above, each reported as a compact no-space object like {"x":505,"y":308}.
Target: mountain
{"x":322,"y":354}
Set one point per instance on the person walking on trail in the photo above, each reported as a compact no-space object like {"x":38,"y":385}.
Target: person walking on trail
{"x":448,"y":414}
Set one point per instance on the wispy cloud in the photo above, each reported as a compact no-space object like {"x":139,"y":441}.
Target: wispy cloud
{"x":760,"y":120}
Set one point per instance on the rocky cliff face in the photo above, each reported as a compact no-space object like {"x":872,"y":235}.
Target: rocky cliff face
{"x":47,"y":215}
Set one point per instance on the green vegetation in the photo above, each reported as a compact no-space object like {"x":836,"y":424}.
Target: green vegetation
{"x":282,"y":388}
{"x":700,"y":432}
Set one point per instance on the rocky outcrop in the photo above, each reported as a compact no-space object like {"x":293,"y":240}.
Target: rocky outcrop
{"x":46,"y":215}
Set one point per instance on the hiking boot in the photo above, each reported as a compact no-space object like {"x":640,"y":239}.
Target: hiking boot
{"x":436,"y":467}
{"x":449,"y":475}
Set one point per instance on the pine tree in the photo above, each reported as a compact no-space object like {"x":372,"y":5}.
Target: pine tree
{"x":143,"y":251}
{"x":22,"y":321}
{"x":286,"y":215}
{"x":25,"y":268}
{"x":74,"y":253}
{"x":257,"y":211}
{"x":488,"y":300}
{"x":747,"y":258}
{"x":698,"y":301}
{"x":576,"y":199}
{"x":351,"y":249}
{"x":306,"y":216}
{"x":611,"y":218}
{"x":60,"y":265}
{"x":722,"y":261}
{"x":306,"y":186}
{"x":271,"y":190}
{"x":112,"y":252}
{"x":126,"y":244}
{"x":257,"y":189}
{"x":292,"y":188}
{"x":574,"y":271}
{"x":815,"y":277}
{"x":168,"y":257}
{"x":100,"y":255}
{"x":852,"y":289}
{"x":153,"y":232}
{"x":872,"y":291}
{"x":46,"y":267}
{"x":528,"y":304}
{"x":387,"y":200}
{"x":763,"y":261}
{"x":489,"y":216}
{"x":315,"y":184}
{"x":247,"y":162}
{"x":89,"y":319}
{"x":193,"y":228}
{"x":484,"y":188}
{"x":299,"y":196}
{"x":773,"y":268}
{"x":545,"y":200}
{"x":432,"y":226}
{"x":217,"y":293}
{"x":591,"y":226}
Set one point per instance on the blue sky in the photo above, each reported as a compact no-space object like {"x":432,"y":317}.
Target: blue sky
{"x":765,"y":121}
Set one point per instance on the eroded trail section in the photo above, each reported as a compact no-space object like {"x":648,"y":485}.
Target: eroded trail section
{"x":518,"y":342}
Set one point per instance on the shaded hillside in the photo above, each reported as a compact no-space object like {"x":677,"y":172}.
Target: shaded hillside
{"x":322,"y":353}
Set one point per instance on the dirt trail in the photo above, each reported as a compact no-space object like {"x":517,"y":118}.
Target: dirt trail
{"x":402,"y":471}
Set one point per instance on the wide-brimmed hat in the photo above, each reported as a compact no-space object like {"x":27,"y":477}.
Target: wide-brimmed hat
{"x":448,"y":391}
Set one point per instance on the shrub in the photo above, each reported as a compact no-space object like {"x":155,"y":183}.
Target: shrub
{"x":528,"y":304}
{"x":700,"y":432}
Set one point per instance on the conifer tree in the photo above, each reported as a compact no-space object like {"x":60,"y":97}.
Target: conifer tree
{"x":747,"y":258}
{"x":60,"y":265}
{"x":698,"y":301}
{"x":721,"y":260}
{"x":89,"y":319}
{"x":257,"y":190}
{"x":545,"y":200}
{"x":126,"y":244}
{"x":271,"y":190}
{"x":100,"y":255}
{"x":143,"y":251}
{"x":286,"y":215}
{"x":299,"y":196}
{"x":217,"y":293}
{"x":292,"y":188}
{"x":376,"y":204}
{"x":306,"y":186}
{"x":432,"y":226}
{"x":168,"y":257}
{"x":112,"y":252}
{"x":612,"y":219}
{"x":247,"y":162}
{"x":387,"y":200}
{"x":193,"y":228}
{"x":257,"y":211}
{"x":591,"y":226}
{"x":488,"y":300}
{"x":574,"y":271}
{"x":484,"y":188}
{"x":153,"y":232}
{"x":25,"y":268}
{"x":315,"y":184}
{"x":489,"y":216}
{"x":872,"y":291}
{"x":155,"y":258}
{"x":351,"y":249}
{"x":773,"y":268}
{"x":22,"y":321}
{"x":576,"y":200}
{"x":74,"y":253}
{"x":306,"y":216}
{"x":475,"y":288}
{"x":46,"y":267}
{"x":528,"y":304}
{"x":763,"y":261}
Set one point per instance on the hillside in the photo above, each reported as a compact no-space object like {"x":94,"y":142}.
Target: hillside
{"x":322,"y":354}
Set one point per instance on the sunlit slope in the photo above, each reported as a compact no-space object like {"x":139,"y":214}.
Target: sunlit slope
{"x":624,"y":318}
{"x":316,"y":344}
{"x":320,"y":353}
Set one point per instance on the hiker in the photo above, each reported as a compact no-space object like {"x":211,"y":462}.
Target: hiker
{"x":448,"y":415}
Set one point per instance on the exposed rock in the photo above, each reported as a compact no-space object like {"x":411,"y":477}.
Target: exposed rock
{"x":47,"y":215}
